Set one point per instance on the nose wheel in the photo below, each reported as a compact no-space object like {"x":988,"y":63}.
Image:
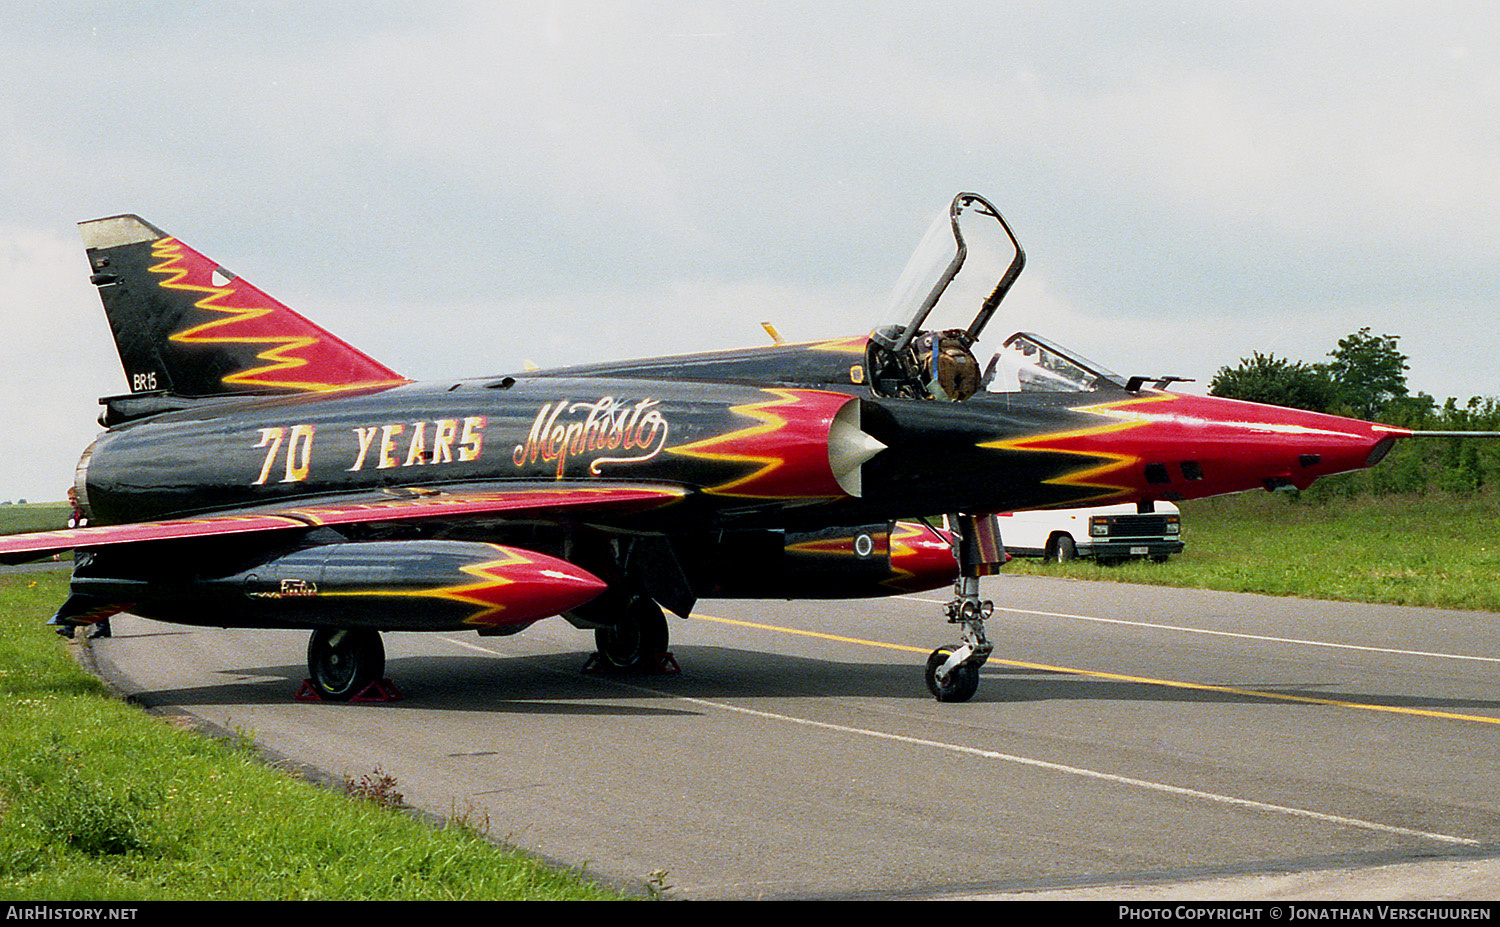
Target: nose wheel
{"x":953,"y":672}
{"x":958,"y":684}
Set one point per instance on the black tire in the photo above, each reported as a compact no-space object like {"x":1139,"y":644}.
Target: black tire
{"x":640,"y":633}
{"x":1160,"y":558}
{"x":960,"y":685}
{"x":342,"y":662}
{"x":1063,"y":549}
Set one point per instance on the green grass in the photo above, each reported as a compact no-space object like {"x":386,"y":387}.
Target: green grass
{"x":1432,"y":550}
{"x":34,"y":516}
{"x":100,"y":801}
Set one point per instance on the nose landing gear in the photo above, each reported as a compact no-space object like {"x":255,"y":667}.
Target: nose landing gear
{"x":953,"y":672}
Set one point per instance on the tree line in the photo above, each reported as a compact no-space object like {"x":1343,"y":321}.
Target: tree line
{"x":1366,"y":378}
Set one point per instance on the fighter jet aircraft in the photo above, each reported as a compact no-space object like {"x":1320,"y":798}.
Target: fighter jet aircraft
{"x":263,"y":473}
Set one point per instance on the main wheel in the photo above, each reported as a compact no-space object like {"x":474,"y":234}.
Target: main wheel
{"x":1063,"y":549}
{"x":343,"y":661}
{"x":640,"y":633}
{"x":960,"y":685}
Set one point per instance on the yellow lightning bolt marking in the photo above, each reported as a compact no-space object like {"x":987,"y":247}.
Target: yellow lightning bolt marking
{"x":854,"y":345}
{"x":1088,"y":476}
{"x":168,"y":251}
{"x":469,"y":593}
{"x":836,"y":546}
{"x":899,"y":549}
{"x":769,"y":422}
{"x":433,"y":500}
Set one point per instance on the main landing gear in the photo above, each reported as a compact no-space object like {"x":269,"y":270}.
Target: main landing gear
{"x":636,"y":642}
{"x":640,"y":633}
{"x":953,"y":672}
{"x":344,"y":663}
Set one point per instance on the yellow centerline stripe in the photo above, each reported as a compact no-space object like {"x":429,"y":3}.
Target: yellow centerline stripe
{"x":817,"y":634}
{"x":1119,"y":677}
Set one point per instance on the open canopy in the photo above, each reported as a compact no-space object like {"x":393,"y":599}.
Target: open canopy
{"x":966,"y":263}
{"x":960,"y":272}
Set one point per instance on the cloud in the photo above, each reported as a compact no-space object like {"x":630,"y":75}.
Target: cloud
{"x":579,"y":326}
{"x":57,"y":350}
{"x":459,"y":186}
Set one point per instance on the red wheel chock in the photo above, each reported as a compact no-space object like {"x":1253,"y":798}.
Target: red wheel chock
{"x":382,"y":690}
{"x":657,"y":664}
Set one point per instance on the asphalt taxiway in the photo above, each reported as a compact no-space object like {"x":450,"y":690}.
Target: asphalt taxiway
{"x":1121,"y":736}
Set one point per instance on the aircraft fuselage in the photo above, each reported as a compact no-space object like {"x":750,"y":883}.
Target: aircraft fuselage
{"x":749,"y":455}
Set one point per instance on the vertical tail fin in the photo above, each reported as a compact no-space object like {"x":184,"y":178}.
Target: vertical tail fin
{"x":187,"y":326}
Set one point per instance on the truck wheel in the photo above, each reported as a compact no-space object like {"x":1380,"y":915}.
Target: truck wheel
{"x":1063,"y":549}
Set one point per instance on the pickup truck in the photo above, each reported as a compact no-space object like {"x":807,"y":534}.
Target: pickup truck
{"x":1107,"y":533}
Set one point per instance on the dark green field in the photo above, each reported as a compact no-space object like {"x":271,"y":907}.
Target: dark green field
{"x":33,"y":516}
{"x":1429,"y":550}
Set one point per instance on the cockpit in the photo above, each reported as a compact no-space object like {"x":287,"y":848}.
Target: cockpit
{"x":1028,"y":363}
{"x":966,"y":263}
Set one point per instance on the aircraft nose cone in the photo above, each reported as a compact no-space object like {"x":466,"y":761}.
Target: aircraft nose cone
{"x":1225,"y":445}
{"x":1338,"y":445}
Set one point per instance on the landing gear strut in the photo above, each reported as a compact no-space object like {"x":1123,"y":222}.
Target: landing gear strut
{"x":953,"y":672}
{"x":343,"y":662}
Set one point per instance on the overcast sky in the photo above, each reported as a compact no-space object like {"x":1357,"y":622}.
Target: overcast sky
{"x":458,"y":188}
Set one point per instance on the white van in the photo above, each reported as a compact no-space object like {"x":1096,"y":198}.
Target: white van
{"x":1107,"y":533}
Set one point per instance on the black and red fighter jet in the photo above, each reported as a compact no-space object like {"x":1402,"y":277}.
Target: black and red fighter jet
{"x":263,"y":473}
